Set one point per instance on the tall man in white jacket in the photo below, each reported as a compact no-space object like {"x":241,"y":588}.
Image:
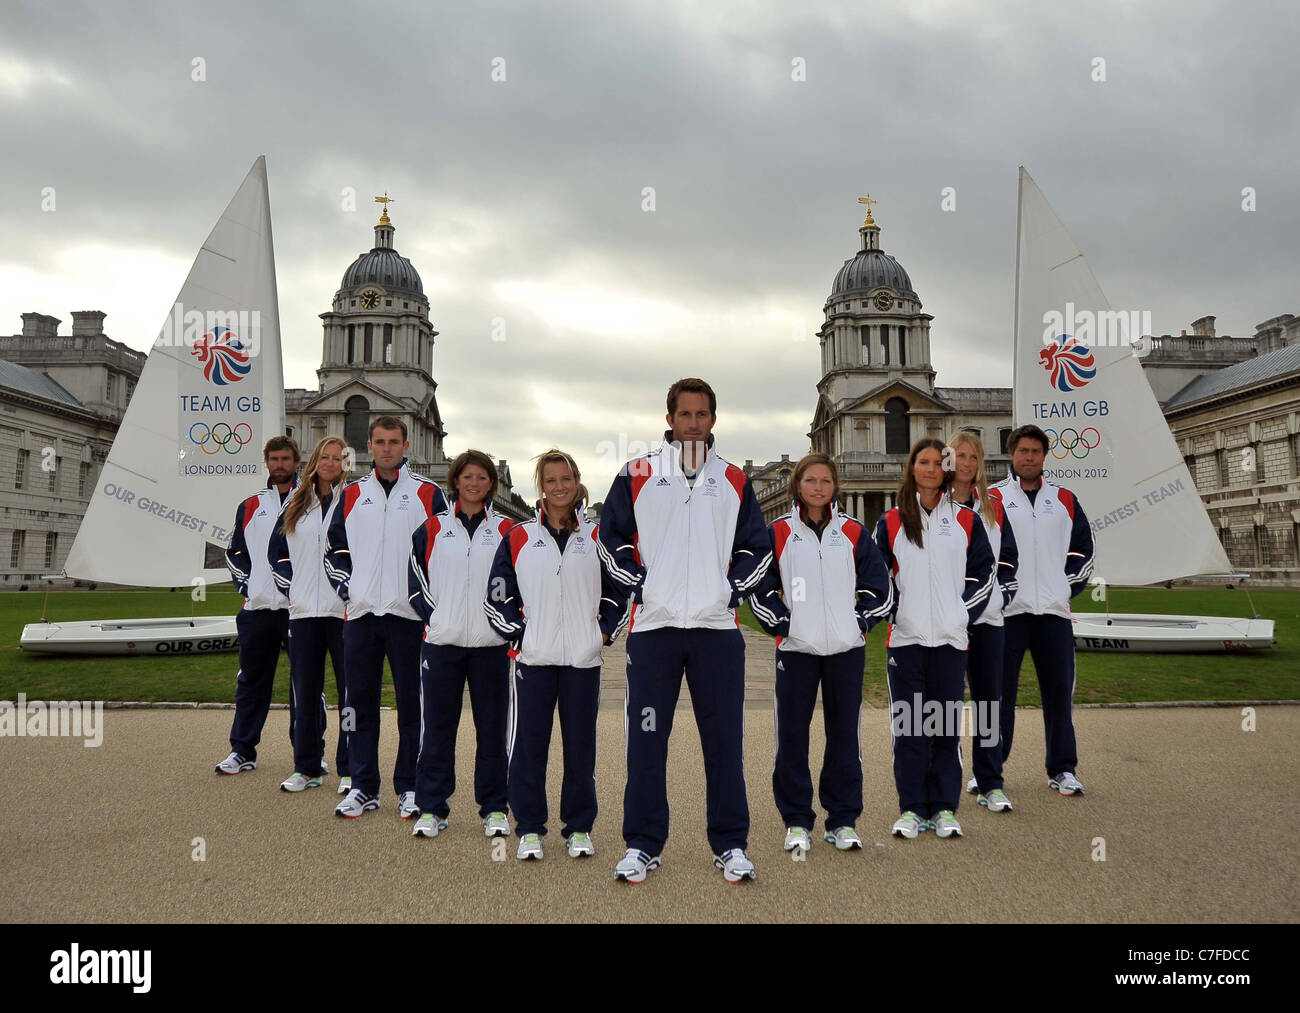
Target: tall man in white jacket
{"x":366,"y":559}
{"x":682,"y":531}
{"x":1055,"y":544}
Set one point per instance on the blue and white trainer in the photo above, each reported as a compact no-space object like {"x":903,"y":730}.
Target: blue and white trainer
{"x":356,"y":803}
{"x":1066,"y":783}
{"x":736,"y":866}
{"x":429,"y":825}
{"x":406,"y":807}
{"x":235,"y":764}
{"x":634,"y":866}
{"x":844,"y":839}
{"x":300,"y":782}
{"x":996,"y":801}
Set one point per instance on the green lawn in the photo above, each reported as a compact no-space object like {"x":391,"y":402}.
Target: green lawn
{"x":205,"y":678}
{"x":1264,"y":675}
{"x":1109,"y":678}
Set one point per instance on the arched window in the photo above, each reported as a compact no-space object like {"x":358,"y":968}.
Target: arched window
{"x":356,"y":422}
{"x":897,"y":438}
{"x":1002,"y":440}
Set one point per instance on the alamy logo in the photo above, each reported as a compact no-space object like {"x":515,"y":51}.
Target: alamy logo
{"x":75,"y":966}
{"x":946,"y":718}
{"x":74,"y":719}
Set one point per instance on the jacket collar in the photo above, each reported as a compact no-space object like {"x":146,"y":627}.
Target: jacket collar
{"x":669,"y":446}
{"x":487,"y":506}
{"x":402,"y":471}
{"x":796,"y":511}
{"x":578,"y":508}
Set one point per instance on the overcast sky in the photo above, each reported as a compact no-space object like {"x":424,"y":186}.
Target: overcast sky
{"x":522,"y":199}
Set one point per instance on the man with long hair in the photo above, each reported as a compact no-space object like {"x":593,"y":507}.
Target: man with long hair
{"x":1056,"y":548}
{"x":682,"y":532}
{"x":263,"y":622}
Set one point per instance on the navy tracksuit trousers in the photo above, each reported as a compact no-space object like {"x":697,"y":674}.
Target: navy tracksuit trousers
{"x":714,"y":663}
{"x":367,"y":640}
{"x":262,"y":632}
{"x":444,"y":671}
{"x":535,"y":691}
{"x":984,"y":669}
{"x":312,"y":640}
{"x":1050,"y":642}
{"x":840,"y":786}
{"x":927,"y":768}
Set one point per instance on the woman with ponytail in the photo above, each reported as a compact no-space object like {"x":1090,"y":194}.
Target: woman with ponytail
{"x":552,"y":599}
{"x":297,"y":556}
{"x":942,"y":565}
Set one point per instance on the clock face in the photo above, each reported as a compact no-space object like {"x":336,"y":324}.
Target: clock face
{"x":883,"y":301}
{"x":369,"y":299}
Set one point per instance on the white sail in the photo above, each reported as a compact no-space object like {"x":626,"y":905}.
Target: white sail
{"x":1079,"y":378}
{"x":211,"y":394}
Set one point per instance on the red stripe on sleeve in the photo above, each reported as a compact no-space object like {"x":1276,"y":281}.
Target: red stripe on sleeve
{"x":638,"y":472}
{"x":1067,"y":500}
{"x":427,"y":491}
{"x":250,"y":510}
{"x":431,"y":528}
{"x":518,"y":539}
{"x":966,"y":518}
{"x":780,"y":532}
{"x":853,"y":530}
{"x":736,"y":477}
{"x":350,"y":496}
{"x":893,"y":524}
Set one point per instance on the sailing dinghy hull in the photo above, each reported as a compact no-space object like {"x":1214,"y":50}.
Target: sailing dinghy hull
{"x":1161,"y":634}
{"x":179,"y":635}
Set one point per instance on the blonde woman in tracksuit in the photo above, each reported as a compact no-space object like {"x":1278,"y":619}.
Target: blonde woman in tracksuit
{"x":942,"y":566}
{"x":552,"y":599}
{"x":297,"y":556}
{"x":828,"y":589}
{"x":984,"y":657}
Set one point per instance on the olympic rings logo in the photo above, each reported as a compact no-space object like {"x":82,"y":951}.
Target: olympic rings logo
{"x":1071,"y":443}
{"x":221,"y":436}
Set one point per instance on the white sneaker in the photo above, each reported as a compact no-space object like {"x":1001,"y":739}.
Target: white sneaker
{"x":357,"y":803}
{"x":235,"y":764}
{"x":946,"y":825}
{"x":972,"y":787}
{"x":496,"y":825}
{"x":996,"y":801}
{"x":797,"y":837}
{"x":300,"y":782}
{"x":428,"y":825}
{"x":634,"y":867}
{"x":908,"y":825}
{"x":530,"y":846}
{"x":345,"y":785}
{"x":736,"y":866}
{"x":844,"y":839}
{"x":407,"y":807}
{"x":1066,"y":783}
{"x":580,"y":845}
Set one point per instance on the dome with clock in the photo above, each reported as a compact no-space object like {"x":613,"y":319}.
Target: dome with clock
{"x":383,"y":266}
{"x":871,"y":269}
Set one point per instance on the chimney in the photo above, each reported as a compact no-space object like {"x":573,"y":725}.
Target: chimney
{"x":38,"y":325}
{"x":87,"y":323}
{"x":785,"y":458}
{"x":1184,"y":332}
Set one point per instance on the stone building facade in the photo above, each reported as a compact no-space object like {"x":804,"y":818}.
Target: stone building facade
{"x":62,"y":398}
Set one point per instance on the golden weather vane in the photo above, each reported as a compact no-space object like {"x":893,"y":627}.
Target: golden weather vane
{"x":385,"y":200}
{"x":868,"y":200}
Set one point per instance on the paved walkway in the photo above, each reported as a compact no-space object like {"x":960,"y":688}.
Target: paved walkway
{"x":1197,"y":818}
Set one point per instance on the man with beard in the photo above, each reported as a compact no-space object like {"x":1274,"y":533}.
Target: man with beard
{"x":263,"y":622}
